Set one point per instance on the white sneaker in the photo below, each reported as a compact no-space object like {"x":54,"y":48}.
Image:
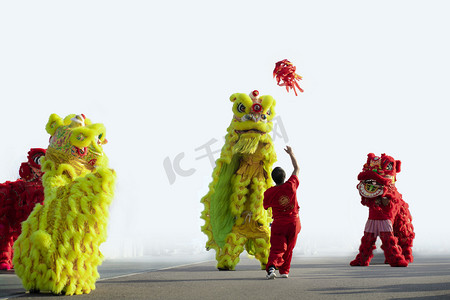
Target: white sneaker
{"x":284,"y":275}
{"x":271,"y":273}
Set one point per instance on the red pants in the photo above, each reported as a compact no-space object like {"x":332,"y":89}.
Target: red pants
{"x":282,"y":242}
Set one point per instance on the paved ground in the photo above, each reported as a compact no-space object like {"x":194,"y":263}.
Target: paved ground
{"x":310,"y":278}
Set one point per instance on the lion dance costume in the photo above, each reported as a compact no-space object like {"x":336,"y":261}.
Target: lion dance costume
{"x":389,"y":216}
{"x":233,"y":212}
{"x":58,"y":250}
{"x":17,"y":200}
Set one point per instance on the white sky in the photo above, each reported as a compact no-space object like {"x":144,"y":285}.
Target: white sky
{"x":158,"y":75}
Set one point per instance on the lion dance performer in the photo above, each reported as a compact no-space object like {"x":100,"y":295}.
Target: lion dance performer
{"x":234,"y":215}
{"x":389,"y":216}
{"x":58,"y":250}
{"x":17,"y":200}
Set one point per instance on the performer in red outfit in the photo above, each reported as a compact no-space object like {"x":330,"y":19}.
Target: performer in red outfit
{"x":389,"y":216}
{"x":282,"y":198}
{"x":17,"y":200}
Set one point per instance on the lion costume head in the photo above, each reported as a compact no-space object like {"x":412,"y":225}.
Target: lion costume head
{"x":378,"y":175}
{"x":252,"y":121}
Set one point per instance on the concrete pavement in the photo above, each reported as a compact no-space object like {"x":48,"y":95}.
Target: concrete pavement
{"x":311,"y":278}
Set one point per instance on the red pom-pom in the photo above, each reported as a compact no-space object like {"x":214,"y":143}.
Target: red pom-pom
{"x":285,"y":75}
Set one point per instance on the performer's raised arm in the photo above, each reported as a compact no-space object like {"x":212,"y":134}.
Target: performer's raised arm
{"x":293,"y":159}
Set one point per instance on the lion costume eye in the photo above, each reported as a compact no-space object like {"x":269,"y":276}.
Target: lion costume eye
{"x":37,"y":159}
{"x":241,"y":108}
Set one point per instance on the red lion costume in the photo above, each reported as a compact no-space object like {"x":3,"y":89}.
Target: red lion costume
{"x":17,"y":200}
{"x":389,"y":216}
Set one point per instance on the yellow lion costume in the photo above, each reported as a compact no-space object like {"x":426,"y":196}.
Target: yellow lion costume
{"x":58,"y":250}
{"x":233,"y":212}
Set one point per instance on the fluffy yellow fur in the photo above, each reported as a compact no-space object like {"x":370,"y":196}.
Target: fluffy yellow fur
{"x":58,"y":250}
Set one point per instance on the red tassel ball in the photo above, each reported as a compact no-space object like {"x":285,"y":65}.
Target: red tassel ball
{"x":285,"y":75}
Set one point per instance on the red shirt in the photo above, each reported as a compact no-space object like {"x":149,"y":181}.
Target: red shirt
{"x":283,"y":200}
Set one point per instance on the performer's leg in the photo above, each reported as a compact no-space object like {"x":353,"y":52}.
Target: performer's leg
{"x":6,"y":217}
{"x":228,"y":256}
{"x":365,"y":250}
{"x":262,"y":251}
{"x":278,"y":246}
{"x":405,"y":236}
{"x":6,"y":251}
{"x":406,"y":245}
{"x":294,"y":230}
{"x":392,"y":251}
{"x":404,"y":231}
